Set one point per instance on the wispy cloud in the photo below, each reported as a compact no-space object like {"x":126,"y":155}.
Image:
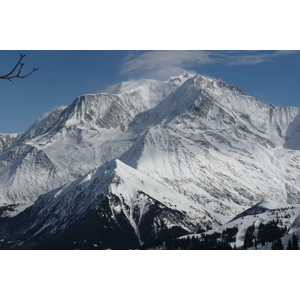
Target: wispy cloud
{"x":254,"y":57}
{"x":165,"y":63}
{"x":162,"y":64}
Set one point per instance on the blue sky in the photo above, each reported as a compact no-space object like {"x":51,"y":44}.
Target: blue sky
{"x":270,"y":76}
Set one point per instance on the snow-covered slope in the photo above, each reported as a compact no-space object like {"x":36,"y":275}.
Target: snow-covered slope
{"x":214,"y":149}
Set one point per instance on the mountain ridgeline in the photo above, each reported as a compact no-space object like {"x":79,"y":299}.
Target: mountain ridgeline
{"x":149,"y":162}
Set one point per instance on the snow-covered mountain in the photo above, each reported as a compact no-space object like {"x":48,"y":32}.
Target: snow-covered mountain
{"x":70,"y":141}
{"x":156,"y":158}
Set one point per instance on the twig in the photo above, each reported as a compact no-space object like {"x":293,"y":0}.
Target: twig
{"x":10,"y":75}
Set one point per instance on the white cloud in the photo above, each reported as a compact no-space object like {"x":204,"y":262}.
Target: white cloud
{"x":162,"y":64}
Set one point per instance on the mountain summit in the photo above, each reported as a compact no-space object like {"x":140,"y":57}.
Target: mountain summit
{"x":146,"y":160}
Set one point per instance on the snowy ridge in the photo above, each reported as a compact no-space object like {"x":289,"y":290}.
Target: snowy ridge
{"x":134,"y":191}
{"x":6,"y":140}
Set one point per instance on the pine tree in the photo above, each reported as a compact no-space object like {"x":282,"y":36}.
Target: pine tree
{"x":255,"y":243}
{"x":289,"y":246}
{"x":279,"y":245}
{"x":295,"y":242}
{"x":273,"y":245}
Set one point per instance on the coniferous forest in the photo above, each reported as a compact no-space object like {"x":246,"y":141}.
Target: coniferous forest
{"x":264,"y":234}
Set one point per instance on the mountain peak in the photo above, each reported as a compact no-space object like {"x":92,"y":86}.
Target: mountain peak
{"x":181,"y":78}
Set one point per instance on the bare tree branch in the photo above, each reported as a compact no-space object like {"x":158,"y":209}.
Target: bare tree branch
{"x":10,"y":75}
